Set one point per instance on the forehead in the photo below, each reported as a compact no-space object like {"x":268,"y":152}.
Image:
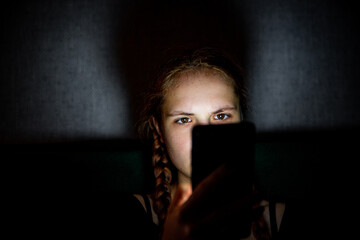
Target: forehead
{"x":192,"y":76}
{"x":203,"y":77}
{"x":195,"y":87}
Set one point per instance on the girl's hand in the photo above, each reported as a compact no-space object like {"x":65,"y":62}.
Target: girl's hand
{"x":174,"y":227}
{"x":213,"y":209}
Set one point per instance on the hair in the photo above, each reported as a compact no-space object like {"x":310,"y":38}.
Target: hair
{"x":190,"y":61}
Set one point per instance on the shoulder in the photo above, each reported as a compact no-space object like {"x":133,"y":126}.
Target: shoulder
{"x":133,"y":207}
{"x":135,"y":218}
{"x":147,"y":204}
{"x":273,"y":213}
{"x":292,"y":219}
{"x":296,"y":223}
{"x":141,"y":200}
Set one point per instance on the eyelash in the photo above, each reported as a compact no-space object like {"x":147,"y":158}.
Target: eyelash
{"x":189,"y":120}
{"x":226,"y":116}
{"x":178,"y":121}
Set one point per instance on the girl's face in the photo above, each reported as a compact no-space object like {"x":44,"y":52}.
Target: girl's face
{"x":195,"y":98}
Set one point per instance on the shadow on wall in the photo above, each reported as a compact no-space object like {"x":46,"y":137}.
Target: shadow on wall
{"x":153,"y":31}
{"x":59,"y":74}
{"x":78,"y":69}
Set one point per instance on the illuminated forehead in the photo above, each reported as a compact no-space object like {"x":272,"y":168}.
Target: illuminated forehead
{"x":199,"y":91}
{"x":199,"y":88}
{"x":192,"y":75}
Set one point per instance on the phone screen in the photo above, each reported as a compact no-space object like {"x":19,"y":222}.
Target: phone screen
{"x":232,"y":144}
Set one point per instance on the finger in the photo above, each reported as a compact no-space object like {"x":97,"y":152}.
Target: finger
{"x":210,"y":192}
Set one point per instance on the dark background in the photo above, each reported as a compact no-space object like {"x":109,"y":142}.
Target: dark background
{"x":78,"y":69}
{"x":73,"y":73}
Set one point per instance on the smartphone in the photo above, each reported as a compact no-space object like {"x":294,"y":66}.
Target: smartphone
{"x":232,"y":144}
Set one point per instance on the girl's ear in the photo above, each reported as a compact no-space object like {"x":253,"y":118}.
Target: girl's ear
{"x":157,"y":128}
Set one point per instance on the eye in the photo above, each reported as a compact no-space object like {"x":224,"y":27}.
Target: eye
{"x":221,"y":116}
{"x":183,"y":120}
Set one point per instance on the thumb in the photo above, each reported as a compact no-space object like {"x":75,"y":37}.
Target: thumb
{"x":183,"y":192}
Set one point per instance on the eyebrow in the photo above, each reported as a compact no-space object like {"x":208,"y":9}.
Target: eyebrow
{"x":180,"y":113}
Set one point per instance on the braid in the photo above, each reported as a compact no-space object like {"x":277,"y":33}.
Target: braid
{"x":163,"y":177}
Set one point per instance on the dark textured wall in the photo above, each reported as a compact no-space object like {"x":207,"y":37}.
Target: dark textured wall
{"x":77,"y":69}
{"x":60,"y":75}
{"x":303,"y":64}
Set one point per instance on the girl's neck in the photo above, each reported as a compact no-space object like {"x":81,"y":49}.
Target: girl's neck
{"x":184,"y":182}
{"x":183,"y":179}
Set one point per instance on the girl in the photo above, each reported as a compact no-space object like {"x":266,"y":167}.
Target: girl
{"x":199,"y":87}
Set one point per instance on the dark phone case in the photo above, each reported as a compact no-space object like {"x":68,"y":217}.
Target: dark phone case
{"x":232,"y":144}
